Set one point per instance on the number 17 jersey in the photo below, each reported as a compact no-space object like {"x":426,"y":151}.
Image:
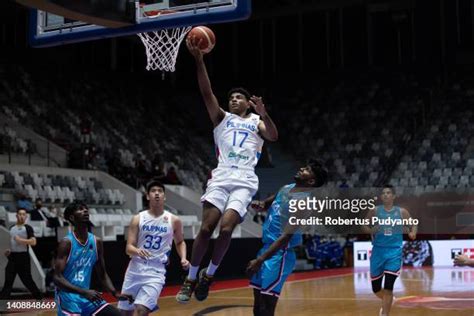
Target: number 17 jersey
{"x":237,"y":140}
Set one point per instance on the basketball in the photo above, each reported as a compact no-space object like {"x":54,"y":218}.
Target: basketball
{"x":206,"y":35}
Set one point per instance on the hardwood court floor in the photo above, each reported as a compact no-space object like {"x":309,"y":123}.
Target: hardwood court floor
{"x":441,"y":291}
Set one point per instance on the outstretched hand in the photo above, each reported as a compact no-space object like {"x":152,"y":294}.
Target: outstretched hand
{"x":193,"y":46}
{"x":257,"y":104}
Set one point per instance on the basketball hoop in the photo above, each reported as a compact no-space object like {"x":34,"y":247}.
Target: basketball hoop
{"x":162,"y":46}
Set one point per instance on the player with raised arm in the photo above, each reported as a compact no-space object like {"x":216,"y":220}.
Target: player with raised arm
{"x":150,"y":238}
{"x":276,"y":260}
{"x":78,"y":254}
{"x":238,"y":137}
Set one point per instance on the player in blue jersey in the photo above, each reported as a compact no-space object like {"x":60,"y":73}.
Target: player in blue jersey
{"x":239,"y":136}
{"x":79,"y":253}
{"x":277,"y":258}
{"x":387,"y":241}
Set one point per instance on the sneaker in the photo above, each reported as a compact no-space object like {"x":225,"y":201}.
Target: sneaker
{"x":202,"y":288}
{"x":184,"y":294}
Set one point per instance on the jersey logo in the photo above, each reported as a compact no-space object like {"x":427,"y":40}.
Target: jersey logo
{"x":236,"y":155}
{"x":250,"y":127}
{"x":82,"y":262}
{"x":165,"y":219}
{"x":153,"y":228}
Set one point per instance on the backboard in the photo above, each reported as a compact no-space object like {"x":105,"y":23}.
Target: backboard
{"x":49,"y":29}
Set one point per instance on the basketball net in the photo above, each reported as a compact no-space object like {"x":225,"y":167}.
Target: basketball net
{"x":162,"y":46}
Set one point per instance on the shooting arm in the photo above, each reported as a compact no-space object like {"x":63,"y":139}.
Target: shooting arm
{"x":215,"y":112}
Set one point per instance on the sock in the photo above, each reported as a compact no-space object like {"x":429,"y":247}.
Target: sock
{"x":193,"y":270}
{"x":211,"y":269}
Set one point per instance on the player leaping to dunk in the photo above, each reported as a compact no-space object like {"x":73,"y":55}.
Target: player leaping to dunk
{"x":238,"y":137}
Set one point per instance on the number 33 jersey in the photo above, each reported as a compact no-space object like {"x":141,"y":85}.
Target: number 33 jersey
{"x":156,"y":236}
{"x":237,"y":141}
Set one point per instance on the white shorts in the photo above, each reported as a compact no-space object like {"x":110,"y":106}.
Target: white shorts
{"x":144,"y":285}
{"x":231,"y":189}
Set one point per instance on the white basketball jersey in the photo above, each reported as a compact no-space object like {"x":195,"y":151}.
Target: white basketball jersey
{"x":156,"y":236}
{"x":237,"y":141}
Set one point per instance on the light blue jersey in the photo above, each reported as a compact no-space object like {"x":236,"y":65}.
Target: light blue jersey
{"x":81,"y":261}
{"x":78,"y":272}
{"x":275,"y":270}
{"x":387,"y":243}
{"x":278,"y":215}
{"x":389,"y":236}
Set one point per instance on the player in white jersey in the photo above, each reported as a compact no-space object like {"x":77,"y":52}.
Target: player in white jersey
{"x":150,"y":237}
{"x":238,"y":136}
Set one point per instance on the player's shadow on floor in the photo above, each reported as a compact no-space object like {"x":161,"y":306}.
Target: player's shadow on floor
{"x":214,"y":309}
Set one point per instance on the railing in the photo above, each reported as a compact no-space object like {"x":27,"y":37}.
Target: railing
{"x":27,"y":152}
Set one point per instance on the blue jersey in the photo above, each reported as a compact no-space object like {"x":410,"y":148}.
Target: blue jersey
{"x":278,"y":216}
{"x":389,"y":236}
{"x":81,"y":261}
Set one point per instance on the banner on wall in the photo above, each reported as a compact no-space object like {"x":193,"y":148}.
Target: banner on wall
{"x":418,"y":253}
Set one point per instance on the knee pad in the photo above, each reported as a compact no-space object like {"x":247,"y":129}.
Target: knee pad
{"x":377,"y":285}
{"x":389,"y":281}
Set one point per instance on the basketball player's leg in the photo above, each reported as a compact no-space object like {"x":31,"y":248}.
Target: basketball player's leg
{"x":377,"y":271}
{"x":377,"y":287}
{"x":268,"y":304}
{"x":256,"y":284}
{"x":131,"y":286}
{"x":108,"y":310}
{"x":236,"y":209}
{"x":147,"y":298}
{"x":126,"y":313}
{"x":210,"y":218}
{"x":388,"y":293}
{"x":257,"y":302}
{"x":275,"y":271}
{"x":392,"y":268}
{"x":230,"y":220}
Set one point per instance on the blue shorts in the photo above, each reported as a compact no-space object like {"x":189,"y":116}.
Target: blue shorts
{"x":75,"y":304}
{"x":274,"y":271}
{"x":385,"y":260}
